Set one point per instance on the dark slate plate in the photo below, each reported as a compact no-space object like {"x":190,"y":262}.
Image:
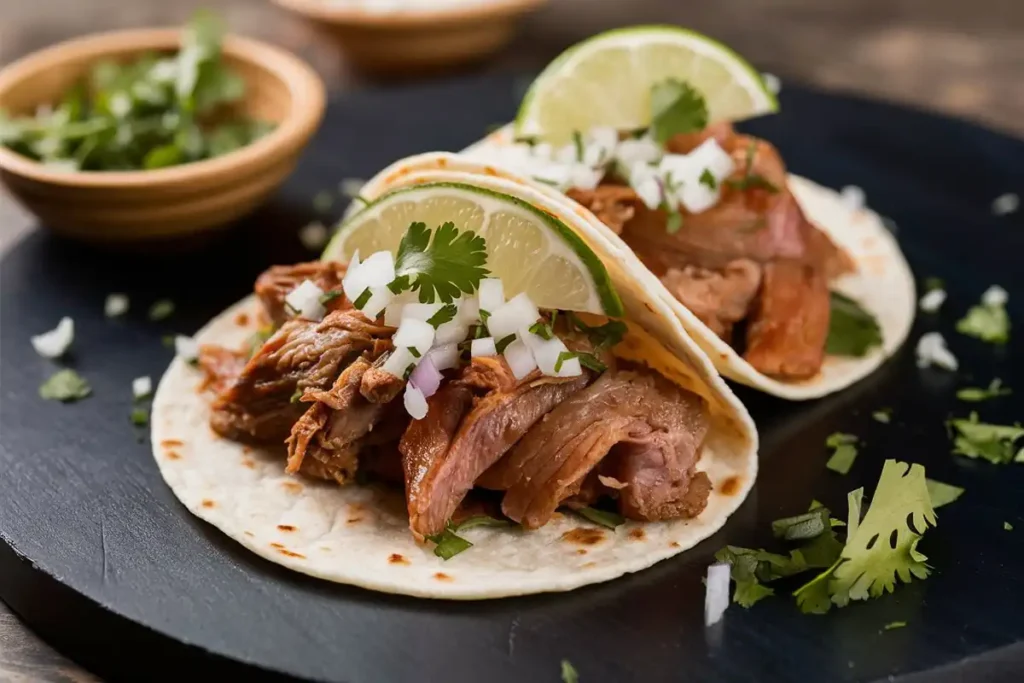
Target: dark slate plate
{"x":104,"y":562}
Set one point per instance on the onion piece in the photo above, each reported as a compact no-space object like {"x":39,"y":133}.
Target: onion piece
{"x":469,"y":310}
{"x":186,"y":348}
{"x":399,"y":362}
{"x":417,"y":311}
{"x":995,"y":296}
{"x":547,"y":352}
{"x":115,"y":305}
{"x":415,"y":402}
{"x":451,"y":331}
{"x":426,"y":377}
{"x":612,"y":482}
{"x":932,"y":350}
{"x":520,"y":359}
{"x":142,"y":387}
{"x":379,"y":299}
{"x":378,"y":269}
{"x":512,"y":316}
{"x":629,"y":152}
{"x":54,"y":343}
{"x":414,"y":334}
{"x":710,"y":156}
{"x":932,"y":300}
{"x":305,"y":300}
{"x":491,"y":294}
{"x":716,"y":597}
{"x":445,"y":356}
{"x":483,"y":347}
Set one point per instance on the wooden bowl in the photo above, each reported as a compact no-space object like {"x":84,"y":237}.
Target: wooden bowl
{"x":123,"y":206}
{"x":415,"y":41}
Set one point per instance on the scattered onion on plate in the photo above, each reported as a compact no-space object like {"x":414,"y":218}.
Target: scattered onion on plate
{"x":716,"y":597}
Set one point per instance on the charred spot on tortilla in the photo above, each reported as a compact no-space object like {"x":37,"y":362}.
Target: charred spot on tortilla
{"x":242,"y":319}
{"x":589,"y":565}
{"x":286,"y":527}
{"x":249,"y":534}
{"x":730,"y":486}
{"x":289,"y":553}
{"x":353,"y":520}
{"x":637,"y":534}
{"x":207,"y":503}
{"x":583,"y":536}
{"x":395,"y":558}
{"x":246,"y":462}
{"x":246,"y":449}
{"x":581,"y":551}
{"x":325,"y":549}
{"x":292,"y":486}
{"x":171,"y":443}
{"x":441,"y":576}
{"x":674,"y":544}
{"x":173,"y":455}
{"x":276,"y":545}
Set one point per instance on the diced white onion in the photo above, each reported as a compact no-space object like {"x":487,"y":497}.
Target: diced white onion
{"x":142,"y":387}
{"x":417,"y":311}
{"x":933,"y":300}
{"x":415,"y":402}
{"x":452,"y":331}
{"x":445,"y":356}
{"x":570,"y":367}
{"x":601,"y":143}
{"x":932,"y":350}
{"x":1005,"y":204}
{"x":697,"y":197}
{"x":305,"y":300}
{"x":852,"y":197}
{"x":399,"y":362}
{"x":513,"y":315}
{"x":491,"y":294}
{"x":995,"y":296}
{"x":483,"y":347}
{"x":559,"y":175}
{"x":584,"y":177}
{"x":567,"y":155}
{"x":426,"y":377}
{"x":543,"y":151}
{"x":115,"y":305}
{"x":379,"y":299}
{"x":378,"y":269}
{"x":520,"y":359}
{"x":414,"y":334}
{"x":681,"y":167}
{"x":54,"y":343}
{"x":612,"y":482}
{"x":393,"y":314}
{"x":649,"y":192}
{"x":716,"y":597}
{"x":710,"y":156}
{"x":469,"y":310}
{"x":645,"y":150}
{"x":186,"y":348}
{"x":547,"y":352}
{"x":313,"y":236}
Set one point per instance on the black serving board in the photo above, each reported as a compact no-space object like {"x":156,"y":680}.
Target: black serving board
{"x":101,"y":559}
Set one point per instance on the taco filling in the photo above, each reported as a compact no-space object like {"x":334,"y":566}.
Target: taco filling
{"x":369,"y":373}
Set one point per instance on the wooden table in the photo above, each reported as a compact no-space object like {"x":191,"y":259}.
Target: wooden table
{"x":963,"y":58}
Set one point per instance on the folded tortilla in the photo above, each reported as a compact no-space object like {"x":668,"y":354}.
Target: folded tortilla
{"x":359,"y":534}
{"x":882,"y":283}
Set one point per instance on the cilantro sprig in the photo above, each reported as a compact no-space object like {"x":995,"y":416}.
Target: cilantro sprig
{"x":450,"y":264}
{"x":448,"y":544}
{"x":995,"y":443}
{"x":852,"y":331}
{"x":676,"y":108}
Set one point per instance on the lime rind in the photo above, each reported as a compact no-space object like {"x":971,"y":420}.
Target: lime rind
{"x":608,"y":298}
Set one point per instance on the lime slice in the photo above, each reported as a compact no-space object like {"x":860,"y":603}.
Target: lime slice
{"x":606,"y":81}
{"x":531,"y":251}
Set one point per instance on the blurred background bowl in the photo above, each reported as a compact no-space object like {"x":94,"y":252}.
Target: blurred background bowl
{"x":133,"y":206}
{"x":412,"y":41}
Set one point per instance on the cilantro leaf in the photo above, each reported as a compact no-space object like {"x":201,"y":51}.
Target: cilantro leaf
{"x":542,"y":330}
{"x":942,"y":494}
{"x":976,"y":394}
{"x":64,"y":385}
{"x":448,"y":544}
{"x":362,"y":299}
{"x":894,"y":625}
{"x":852,"y":331}
{"x":749,"y":592}
{"x":987,"y":322}
{"x":450,"y":264}
{"x":824,"y":550}
{"x":809,"y":525}
{"x":444,"y":315}
{"x":844,"y":453}
{"x":503,"y":343}
{"x":577,"y":141}
{"x":590,"y":361}
{"x":751,"y":568}
{"x":604,"y":518}
{"x":676,"y":108}
{"x":813,"y":597}
{"x":1007,"y":526}
{"x":883,"y":415}
{"x":882,"y":549}
{"x":601,"y":336}
{"x":161,"y":309}
{"x":481,"y":520}
{"x":139,"y":417}
{"x":674,"y":222}
{"x":569,"y":674}
{"x":707,"y":179}
{"x":995,"y":443}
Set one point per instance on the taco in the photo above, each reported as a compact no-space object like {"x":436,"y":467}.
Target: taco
{"x":784,"y":284}
{"x":469,"y":396}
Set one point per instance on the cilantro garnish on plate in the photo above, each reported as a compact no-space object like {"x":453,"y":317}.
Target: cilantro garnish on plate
{"x":941,"y":493}
{"x":844,"y":452}
{"x":65,"y":385}
{"x":852,"y":331}
{"x":450,"y":264}
{"x":975,"y":394}
{"x":995,"y":443}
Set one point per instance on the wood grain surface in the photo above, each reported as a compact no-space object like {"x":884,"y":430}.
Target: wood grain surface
{"x":962,"y":58}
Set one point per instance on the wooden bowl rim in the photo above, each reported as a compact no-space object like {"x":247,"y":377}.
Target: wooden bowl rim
{"x":407,"y":19}
{"x":306,"y":92}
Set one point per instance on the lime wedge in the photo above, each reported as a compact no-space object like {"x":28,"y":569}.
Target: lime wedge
{"x":531,"y":251}
{"x":606,"y":81}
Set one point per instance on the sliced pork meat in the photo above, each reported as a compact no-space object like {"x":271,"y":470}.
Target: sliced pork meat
{"x":471,"y":423}
{"x":719,"y":298}
{"x":614,"y":205}
{"x":221,"y":366}
{"x":379,"y":386}
{"x":261,"y":404}
{"x":274,"y":284}
{"x":789,"y":326}
{"x":650,"y":427}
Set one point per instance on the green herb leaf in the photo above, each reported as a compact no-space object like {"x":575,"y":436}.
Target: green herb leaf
{"x":844,"y":453}
{"x":986,"y":322}
{"x":1007,"y":526}
{"x":975,"y":394}
{"x":995,"y":443}
{"x":894,"y":625}
{"x":448,"y":544}
{"x":942,"y":494}
{"x":852,"y":331}
{"x":542,"y":330}
{"x":676,"y":108}
{"x":590,"y":362}
{"x":481,"y":520}
{"x":604,"y":518}
{"x":807,"y":526}
{"x":503,"y":343}
{"x":140,"y":417}
{"x":569,"y":674}
{"x":444,"y":315}
{"x":297,"y":396}
{"x":329,"y":296}
{"x":577,"y":141}
{"x":161,"y":309}
{"x":883,"y":415}
{"x":707,"y":179}
{"x":562,"y":358}
{"x":749,"y":592}
{"x":674,"y":222}
{"x":256,"y":340}
{"x":443,"y":268}
{"x":65,"y":385}
{"x":362,"y":299}
{"x":603,"y":336}
{"x":813,"y":597}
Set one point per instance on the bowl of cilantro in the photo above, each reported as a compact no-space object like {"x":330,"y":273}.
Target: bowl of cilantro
{"x":405,"y":37}
{"x":151,"y":134}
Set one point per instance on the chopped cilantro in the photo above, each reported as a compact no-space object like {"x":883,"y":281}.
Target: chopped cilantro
{"x":676,"y":108}
{"x":577,"y":141}
{"x":450,"y":264}
{"x":707,"y":179}
{"x":503,"y":343}
{"x":414,"y":351}
{"x":569,"y":674}
{"x":542,"y":330}
{"x":750,"y":569}
{"x":161,"y":309}
{"x":988,"y":322}
{"x":883,"y":415}
{"x":894,"y":625}
{"x":942,"y":494}
{"x":603,"y":518}
{"x":844,"y":453}
{"x":751,"y":180}
{"x":995,"y":443}
{"x":448,"y":544}
{"x":330,"y":295}
{"x":674,"y":222}
{"x":140,"y":417}
{"x":256,"y":340}
{"x":802,"y":527}
{"x":362,"y":299}
{"x":976,"y":394}
{"x":1007,"y":526}
{"x":590,"y":362}
{"x":601,"y":336}
{"x":852,"y":331}
{"x":297,"y":396}
{"x":562,"y":358}
{"x":444,"y":315}
{"x":481,"y":520}
{"x":64,"y":385}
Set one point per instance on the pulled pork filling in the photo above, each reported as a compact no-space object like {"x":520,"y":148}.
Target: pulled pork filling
{"x":751,"y":257}
{"x":545,"y":441}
